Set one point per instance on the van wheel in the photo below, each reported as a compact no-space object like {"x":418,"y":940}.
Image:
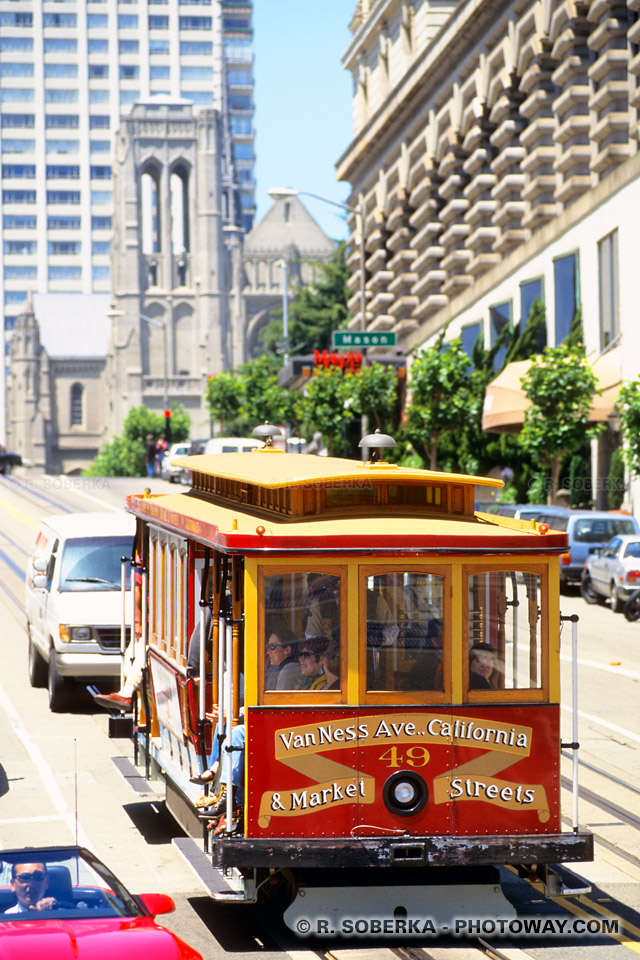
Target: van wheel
{"x":37,"y":664}
{"x":58,"y":686}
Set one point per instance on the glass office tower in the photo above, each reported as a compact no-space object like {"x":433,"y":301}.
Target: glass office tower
{"x":69,"y":69}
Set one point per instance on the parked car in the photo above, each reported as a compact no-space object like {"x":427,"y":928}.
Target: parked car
{"x":613,"y":572}
{"x":221,"y":445}
{"x":589,"y":531}
{"x":84,"y":911}
{"x":521,"y":511}
{"x":167,"y":470}
{"x":73,"y":600}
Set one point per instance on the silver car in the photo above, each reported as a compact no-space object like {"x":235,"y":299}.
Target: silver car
{"x":613,"y":572}
{"x":167,"y":470}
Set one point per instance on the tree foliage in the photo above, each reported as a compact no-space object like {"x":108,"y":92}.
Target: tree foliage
{"x":628,"y":407}
{"x":322,"y":408}
{"x":224,"y":397}
{"x":441,"y":397}
{"x":375,"y":394}
{"x":124,"y":456}
{"x":616,"y":480}
{"x":560,"y":384}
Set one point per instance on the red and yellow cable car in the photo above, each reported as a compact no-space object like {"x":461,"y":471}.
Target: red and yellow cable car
{"x":380,"y":677}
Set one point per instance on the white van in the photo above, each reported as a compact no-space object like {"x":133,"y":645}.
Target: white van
{"x":74,"y":600}
{"x":232,"y":445}
{"x":222,"y":445}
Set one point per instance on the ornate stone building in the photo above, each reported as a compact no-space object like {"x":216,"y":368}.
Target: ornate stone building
{"x":57,"y":387}
{"x":176,"y":275}
{"x":286,"y":232}
{"x":495,"y":160}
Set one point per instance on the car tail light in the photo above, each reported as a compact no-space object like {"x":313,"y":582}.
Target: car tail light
{"x":565,"y":558}
{"x":633,"y":575}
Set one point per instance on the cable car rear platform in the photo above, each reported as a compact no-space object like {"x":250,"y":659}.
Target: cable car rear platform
{"x":435,"y":851}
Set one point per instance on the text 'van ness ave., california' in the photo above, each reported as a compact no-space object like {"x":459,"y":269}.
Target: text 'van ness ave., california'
{"x":403,"y":728}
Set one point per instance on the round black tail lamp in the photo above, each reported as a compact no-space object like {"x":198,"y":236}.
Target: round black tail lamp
{"x":405,"y":793}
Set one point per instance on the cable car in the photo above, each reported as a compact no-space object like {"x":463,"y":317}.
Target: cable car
{"x":378,"y":670}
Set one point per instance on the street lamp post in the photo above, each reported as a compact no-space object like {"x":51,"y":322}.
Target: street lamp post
{"x":114,"y":314}
{"x":285,"y":306}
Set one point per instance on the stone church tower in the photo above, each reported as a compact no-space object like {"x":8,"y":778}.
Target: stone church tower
{"x":28,"y":399}
{"x":176,"y":316}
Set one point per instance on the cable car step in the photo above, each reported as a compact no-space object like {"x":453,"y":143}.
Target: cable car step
{"x":231,"y":888}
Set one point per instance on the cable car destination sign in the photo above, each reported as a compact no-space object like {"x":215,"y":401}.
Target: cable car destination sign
{"x":362,"y":338}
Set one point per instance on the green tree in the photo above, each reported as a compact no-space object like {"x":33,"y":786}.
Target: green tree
{"x":529,"y":338}
{"x":262,"y":398}
{"x":628,"y":407}
{"x":441,"y":398}
{"x":375,"y":395}
{"x":124,"y":456}
{"x":320,"y":308}
{"x":616,"y":486}
{"x":322,"y":407}
{"x":121,"y":457}
{"x":560,"y":384}
{"x":224,"y":396}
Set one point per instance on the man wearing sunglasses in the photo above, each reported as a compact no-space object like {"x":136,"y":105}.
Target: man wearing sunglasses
{"x":29,"y":882}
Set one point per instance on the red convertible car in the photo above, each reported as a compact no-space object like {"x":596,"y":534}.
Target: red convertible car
{"x":63,"y":903}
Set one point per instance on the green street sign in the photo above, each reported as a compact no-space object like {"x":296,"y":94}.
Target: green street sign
{"x":359,"y":339}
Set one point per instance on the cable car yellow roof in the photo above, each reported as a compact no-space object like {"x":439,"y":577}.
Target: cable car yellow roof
{"x":234,"y":529}
{"x":271,"y":468}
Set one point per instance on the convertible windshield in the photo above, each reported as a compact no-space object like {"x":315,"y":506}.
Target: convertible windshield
{"x":94,"y":563}
{"x":38,"y":884}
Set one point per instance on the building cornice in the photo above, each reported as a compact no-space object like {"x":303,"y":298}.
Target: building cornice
{"x":419,"y":86}
{"x":381,"y":10}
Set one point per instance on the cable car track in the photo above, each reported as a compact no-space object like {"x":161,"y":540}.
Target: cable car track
{"x":603,"y":773}
{"x":30,"y":490}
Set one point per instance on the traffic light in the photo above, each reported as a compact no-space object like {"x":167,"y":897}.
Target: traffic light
{"x":167,"y":426}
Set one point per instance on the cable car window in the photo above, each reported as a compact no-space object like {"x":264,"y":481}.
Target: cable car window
{"x":302,"y":631}
{"x":405,"y":628}
{"x":505,"y":631}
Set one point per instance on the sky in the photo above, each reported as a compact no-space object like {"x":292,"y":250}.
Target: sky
{"x":303,"y":102}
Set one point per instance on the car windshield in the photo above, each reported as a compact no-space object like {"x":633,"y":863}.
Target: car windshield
{"x":632,"y":549}
{"x":66,"y":883}
{"x":94,"y":563}
{"x":599,"y":530}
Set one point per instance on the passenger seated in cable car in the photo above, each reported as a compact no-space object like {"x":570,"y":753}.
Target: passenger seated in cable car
{"x":283,"y":667}
{"x":484,"y":672}
{"x":322,"y":614}
{"x":330,"y":663}
{"x":309,"y":655}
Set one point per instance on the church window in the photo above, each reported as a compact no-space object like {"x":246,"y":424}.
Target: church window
{"x":77,"y":391}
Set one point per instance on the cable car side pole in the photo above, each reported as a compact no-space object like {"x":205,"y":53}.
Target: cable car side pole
{"x":573,"y":619}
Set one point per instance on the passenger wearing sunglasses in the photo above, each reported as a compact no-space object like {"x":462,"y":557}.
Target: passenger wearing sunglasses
{"x":283,"y":668}
{"x":310,"y":655}
{"x":29,"y":882}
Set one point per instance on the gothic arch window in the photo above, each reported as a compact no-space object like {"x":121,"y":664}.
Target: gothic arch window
{"x":185,"y":339}
{"x":179,"y":192}
{"x":150,"y":212}
{"x":76,"y":410}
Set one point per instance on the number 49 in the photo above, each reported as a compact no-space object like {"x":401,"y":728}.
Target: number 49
{"x":414,"y":757}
